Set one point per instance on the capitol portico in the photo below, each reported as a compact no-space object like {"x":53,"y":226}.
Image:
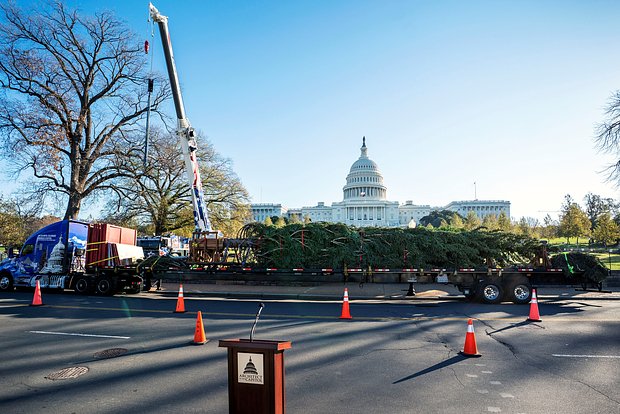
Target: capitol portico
{"x":365,"y":203}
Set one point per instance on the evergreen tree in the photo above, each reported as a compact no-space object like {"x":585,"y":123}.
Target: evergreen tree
{"x":456,"y":221}
{"x":503,"y":222}
{"x":280,"y":222}
{"x":472,"y":221}
{"x":490,"y":222}
{"x":606,"y":230}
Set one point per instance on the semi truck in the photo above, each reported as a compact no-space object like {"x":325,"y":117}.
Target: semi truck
{"x":70,"y":254}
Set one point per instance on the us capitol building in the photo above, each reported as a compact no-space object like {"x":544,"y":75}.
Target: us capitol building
{"x":365,"y":204}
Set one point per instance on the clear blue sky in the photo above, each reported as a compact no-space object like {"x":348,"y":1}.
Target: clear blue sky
{"x":506,"y":94}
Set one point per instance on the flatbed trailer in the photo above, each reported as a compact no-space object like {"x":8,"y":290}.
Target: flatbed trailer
{"x":489,"y":285}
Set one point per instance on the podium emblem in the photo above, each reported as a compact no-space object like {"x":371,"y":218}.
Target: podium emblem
{"x":250,"y":368}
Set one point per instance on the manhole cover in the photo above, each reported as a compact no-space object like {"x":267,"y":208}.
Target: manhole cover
{"x":110,"y":353}
{"x":67,"y":373}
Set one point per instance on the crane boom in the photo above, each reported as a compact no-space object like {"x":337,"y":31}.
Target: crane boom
{"x":186,"y":133}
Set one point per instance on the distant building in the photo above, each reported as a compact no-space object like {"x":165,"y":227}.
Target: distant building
{"x":365,"y":203}
{"x":482,"y":208}
{"x":261,"y":211}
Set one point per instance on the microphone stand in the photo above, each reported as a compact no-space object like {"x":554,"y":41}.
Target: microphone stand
{"x":260,"y":309}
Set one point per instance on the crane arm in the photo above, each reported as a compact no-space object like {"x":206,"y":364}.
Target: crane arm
{"x":185,"y":131}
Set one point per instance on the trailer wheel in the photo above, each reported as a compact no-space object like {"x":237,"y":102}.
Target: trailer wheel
{"x":490,"y":292}
{"x":104,"y":286}
{"x":519,"y":291}
{"x":83,"y":286}
{"x":6,"y":282}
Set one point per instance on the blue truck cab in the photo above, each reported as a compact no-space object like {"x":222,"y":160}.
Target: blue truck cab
{"x":52,"y":255}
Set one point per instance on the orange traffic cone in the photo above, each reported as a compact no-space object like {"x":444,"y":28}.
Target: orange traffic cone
{"x":346,"y":314}
{"x":180,"y":301}
{"x":534,"y":315}
{"x":470,"y":349}
{"x":36,"y":300}
{"x":199,"y":335}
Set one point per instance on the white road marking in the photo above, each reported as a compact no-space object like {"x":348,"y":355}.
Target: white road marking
{"x":80,"y":334}
{"x":483,"y":391}
{"x":494,"y":409}
{"x":487,"y":372}
{"x":495,"y":382}
{"x":472,"y":375}
{"x":506,"y":395}
{"x":586,"y":356}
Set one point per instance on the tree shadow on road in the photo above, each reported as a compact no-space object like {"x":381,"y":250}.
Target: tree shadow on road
{"x":451,"y":361}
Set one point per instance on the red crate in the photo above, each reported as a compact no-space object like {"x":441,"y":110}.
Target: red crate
{"x":100,"y":248}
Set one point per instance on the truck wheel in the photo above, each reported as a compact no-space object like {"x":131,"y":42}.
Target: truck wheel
{"x":490,"y":292}
{"x":6,"y":282}
{"x":83,"y":286}
{"x":104,"y":286}
{"x":134,"y":289}
{"x":519,"y":292}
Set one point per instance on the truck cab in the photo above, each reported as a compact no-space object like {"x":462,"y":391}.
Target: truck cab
{"x":48,"y":255}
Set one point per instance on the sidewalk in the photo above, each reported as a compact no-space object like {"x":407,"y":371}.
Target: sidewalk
{"x":357,"y":291}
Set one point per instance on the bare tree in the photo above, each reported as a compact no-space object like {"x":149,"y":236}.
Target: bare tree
{"x":608,"y":136}
{"x":73,"y":85}
{"x":157,"y":197}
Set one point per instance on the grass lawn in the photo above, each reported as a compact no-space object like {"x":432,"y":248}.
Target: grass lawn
{"x":605,"y":258}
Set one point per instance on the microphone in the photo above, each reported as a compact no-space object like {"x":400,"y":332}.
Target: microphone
{"x":260,"y":309}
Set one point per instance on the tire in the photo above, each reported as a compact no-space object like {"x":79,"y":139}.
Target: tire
{"x":134,"y":289}
{"x":83,"y":285}
{"x":490,"y":292}
{"x":519,"y":291}
{"x":472,"y":297}
{"x":6,"y":282}
{"x":104,"y":286}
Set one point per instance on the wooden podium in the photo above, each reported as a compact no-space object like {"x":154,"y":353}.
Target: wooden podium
{"x":255,"y":376}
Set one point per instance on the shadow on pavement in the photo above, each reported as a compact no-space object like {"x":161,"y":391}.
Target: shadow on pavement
{"x":454,"y":360}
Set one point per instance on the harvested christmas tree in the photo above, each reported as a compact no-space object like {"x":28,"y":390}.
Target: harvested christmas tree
{"x":581,"y":262}
{"x":320,"y":245}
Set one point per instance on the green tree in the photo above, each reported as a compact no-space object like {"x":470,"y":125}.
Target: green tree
{"x":606,"y":230}
{"x":280,"y":222}
{"x":490,"y":222}
{"x":19,"y":217}
{"x":158,"y":196}
{"x":526,"y":227}
{"x":268,"y":221}
{"x":503,"y":222}
{"x":574,"y":222}
{"x":73,"y":86}
{"x":456,"y":221}
{"x":435,"y":218}
{"x":596,"y":206}
{"x":12,"y":232}
{"x":472,"y":221}
{"x":550,"y":227}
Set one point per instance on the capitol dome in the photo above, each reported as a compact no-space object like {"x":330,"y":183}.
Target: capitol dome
{"x":364,"y":180}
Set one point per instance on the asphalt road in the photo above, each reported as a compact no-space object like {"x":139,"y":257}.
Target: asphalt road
{"x":133,"y":354}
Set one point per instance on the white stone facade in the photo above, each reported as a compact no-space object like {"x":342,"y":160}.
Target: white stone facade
{"x":482,"y":208}
{"x":365,"y":203}
{"x":261,"y":211}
